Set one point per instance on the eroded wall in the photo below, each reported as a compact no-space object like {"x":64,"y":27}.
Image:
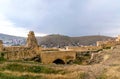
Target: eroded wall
{"x":50,"y":56}
{"x":19,"y":53}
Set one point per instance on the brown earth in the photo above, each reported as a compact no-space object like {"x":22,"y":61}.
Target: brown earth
{"x":107,"y":68}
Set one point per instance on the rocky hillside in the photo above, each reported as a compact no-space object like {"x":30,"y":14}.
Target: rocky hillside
{"x":61,"y":40}
{"x":9,"y":40}
{"x":55,"y":40}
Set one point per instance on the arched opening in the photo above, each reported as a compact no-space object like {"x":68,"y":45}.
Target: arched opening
{"x":37,"y":58}
{"x":59,"y":61}
{"x":70,"y":62}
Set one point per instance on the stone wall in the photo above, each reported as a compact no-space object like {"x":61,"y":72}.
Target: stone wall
{"x":50,"y":56}
{"x":19,"y":53}
{"x":22,"y":52}
{"x":1,"y":45}
{"x":83,"y":48}
{"x":108,"y":43}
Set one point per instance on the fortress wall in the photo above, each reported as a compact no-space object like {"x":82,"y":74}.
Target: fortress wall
{"x":23,"y":52}
{"x":107,"y":43}
{"x":50,"y":56}
{"x":84,"y":48}
{"x":50,"y":49}
{"x":18,"y":53}
{"x":14,"y":48}
{"x":1,"y":45}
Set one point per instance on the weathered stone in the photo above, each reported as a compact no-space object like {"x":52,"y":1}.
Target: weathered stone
{"x":48,"y":57}
{"x":33,"y":52}
{"x":1,"y":45}
{"x":31,"y":40}
{"x":23,"y":52}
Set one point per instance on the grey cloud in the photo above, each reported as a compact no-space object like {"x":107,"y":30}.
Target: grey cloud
{"x":68,"y":17}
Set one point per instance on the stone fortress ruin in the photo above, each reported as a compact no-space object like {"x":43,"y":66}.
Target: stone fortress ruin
{"x":32,"y":51}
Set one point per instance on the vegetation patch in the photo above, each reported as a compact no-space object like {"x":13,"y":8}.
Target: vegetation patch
{"x":107,"y":47}
{"x":83,"y":76}
{"x":9,"y":76}
{"x":82,"y":59}
{"x":33,"y":69}
{"x":2,"y":57}
{"x":102,"y":76}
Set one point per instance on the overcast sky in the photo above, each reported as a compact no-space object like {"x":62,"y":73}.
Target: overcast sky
{"x":66,"y":17}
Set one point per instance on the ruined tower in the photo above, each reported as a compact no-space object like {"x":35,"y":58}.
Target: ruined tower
{"x":31,"y":40}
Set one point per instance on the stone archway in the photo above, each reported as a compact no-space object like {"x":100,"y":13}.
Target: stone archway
{"x":58,"y":61}
{"x":70,"y":62}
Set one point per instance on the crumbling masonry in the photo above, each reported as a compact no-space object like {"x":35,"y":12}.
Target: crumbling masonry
{"x":31,"y":51}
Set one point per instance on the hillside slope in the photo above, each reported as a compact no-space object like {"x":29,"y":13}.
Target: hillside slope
{"x":55,"y":40}
{"x":61,"y":41}
{"x":12,"y":40}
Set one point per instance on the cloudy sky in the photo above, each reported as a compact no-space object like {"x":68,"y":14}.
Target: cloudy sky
{"x":66,"y":17}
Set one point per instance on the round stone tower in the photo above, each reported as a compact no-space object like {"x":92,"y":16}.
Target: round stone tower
{"x":31,"y":40}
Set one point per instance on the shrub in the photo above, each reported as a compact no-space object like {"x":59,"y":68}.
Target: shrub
{"x":2,"y":56}
{"x":34,"y":69}
{"x":103,"y":76}
{"x":2,"y":59}
{"x":8,"y":76}
{"x":83,"y":76}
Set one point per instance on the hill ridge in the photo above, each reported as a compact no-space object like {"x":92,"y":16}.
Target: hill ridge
{"x":56,"y":40}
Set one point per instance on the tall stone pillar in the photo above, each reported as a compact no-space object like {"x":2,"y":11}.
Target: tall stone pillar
{"x":31,"y":40}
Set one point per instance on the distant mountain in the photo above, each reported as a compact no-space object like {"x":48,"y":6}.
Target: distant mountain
{"x":61,"y":40}
{"x":54,"y":40}
{"x":9,"y":40}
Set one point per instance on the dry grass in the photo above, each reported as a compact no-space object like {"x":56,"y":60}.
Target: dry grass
{"x":109,"y":68}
